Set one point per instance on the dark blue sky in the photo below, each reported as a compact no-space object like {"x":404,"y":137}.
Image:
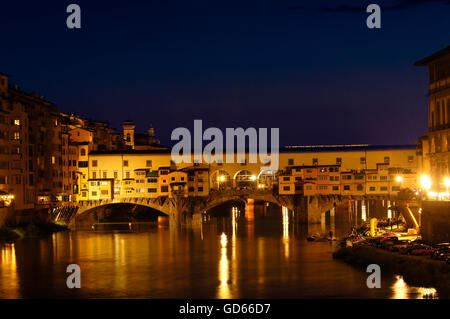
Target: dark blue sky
{"x":313,"y":69}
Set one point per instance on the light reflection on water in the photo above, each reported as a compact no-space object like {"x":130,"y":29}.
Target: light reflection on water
{"x":224,"y":289}
{"x":257,"y":252}
{"x":401,"y":290}
{"x":285,"y":213}
{"x":8,"y":271}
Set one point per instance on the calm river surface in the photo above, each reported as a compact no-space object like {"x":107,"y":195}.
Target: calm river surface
{"x":233,"y":256}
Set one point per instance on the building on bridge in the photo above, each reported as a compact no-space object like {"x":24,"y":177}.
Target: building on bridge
{"x":343,"y":170}
{"x":330,"y":180}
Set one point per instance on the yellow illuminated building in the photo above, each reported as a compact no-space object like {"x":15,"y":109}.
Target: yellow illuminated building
{"x":434,"y":148}
{"x":344,"y":170}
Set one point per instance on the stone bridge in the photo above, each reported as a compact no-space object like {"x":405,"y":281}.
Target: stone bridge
{"x":306,"y":209}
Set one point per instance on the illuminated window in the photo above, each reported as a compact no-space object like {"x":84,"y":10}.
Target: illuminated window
{"x":53,"y":160}
{"x":16,"y":135}
{"x":16,"y":122}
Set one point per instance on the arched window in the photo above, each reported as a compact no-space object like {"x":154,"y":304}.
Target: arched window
{"x":432,"y":119}
{"x":448,"y":111}
{"x":444,"y":120}
{"x":83,"y":152}
{"x":438,"y":114}
{"x":221,"y":180}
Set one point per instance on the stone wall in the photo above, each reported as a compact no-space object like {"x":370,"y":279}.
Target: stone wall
{"x":6,"y":216}
{"x":436,"y":221}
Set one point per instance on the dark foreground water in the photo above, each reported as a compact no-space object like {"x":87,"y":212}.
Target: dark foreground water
{"x":253,"y":256}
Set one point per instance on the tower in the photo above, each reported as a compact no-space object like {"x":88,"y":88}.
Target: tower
{"x":151,"y":135}
{"x":3,"y":84}
{"x":128,"y":133}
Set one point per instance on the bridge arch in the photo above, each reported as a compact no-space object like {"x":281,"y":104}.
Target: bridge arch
{"x":132,"y":206}
{"x":221,"y":179}
{"x":161,"y":205}
{"x":266,"y":178}
{"x":244,"y":178}
{"x":234,"y":197}
{"x":116,"y":213}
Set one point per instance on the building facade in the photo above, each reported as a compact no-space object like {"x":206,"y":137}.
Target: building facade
{"x":41,"y":149}
{"x":434,"y":147}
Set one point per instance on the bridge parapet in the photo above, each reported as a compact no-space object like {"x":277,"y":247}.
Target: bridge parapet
{"x":308,"y":209}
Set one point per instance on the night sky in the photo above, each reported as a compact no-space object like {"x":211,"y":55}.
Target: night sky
{"x":313,"y":69}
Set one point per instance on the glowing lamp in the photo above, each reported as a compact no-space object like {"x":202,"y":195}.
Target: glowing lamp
{"x":425,"y":182}
{"x":447,"y":182}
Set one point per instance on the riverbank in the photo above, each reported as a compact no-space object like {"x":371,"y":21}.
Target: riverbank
{"x":416,"y":270}
{"x":30,"y":230}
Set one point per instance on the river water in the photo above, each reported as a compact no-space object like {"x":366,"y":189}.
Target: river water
{"x":231,"y":255}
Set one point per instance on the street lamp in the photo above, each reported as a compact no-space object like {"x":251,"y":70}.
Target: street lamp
{"x":447,"y":184}
{"x":220,"y":179}
{"x":399,"y":179}
{"x":425,"y":182}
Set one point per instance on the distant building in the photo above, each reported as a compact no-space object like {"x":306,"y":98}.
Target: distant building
{"x":137,"y":141}
{"x":434,"y":147}
{"x":17,"y":173}
{"x":43,"y":152}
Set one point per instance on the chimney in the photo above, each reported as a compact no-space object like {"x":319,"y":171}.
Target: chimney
{"x":3,"y":84}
